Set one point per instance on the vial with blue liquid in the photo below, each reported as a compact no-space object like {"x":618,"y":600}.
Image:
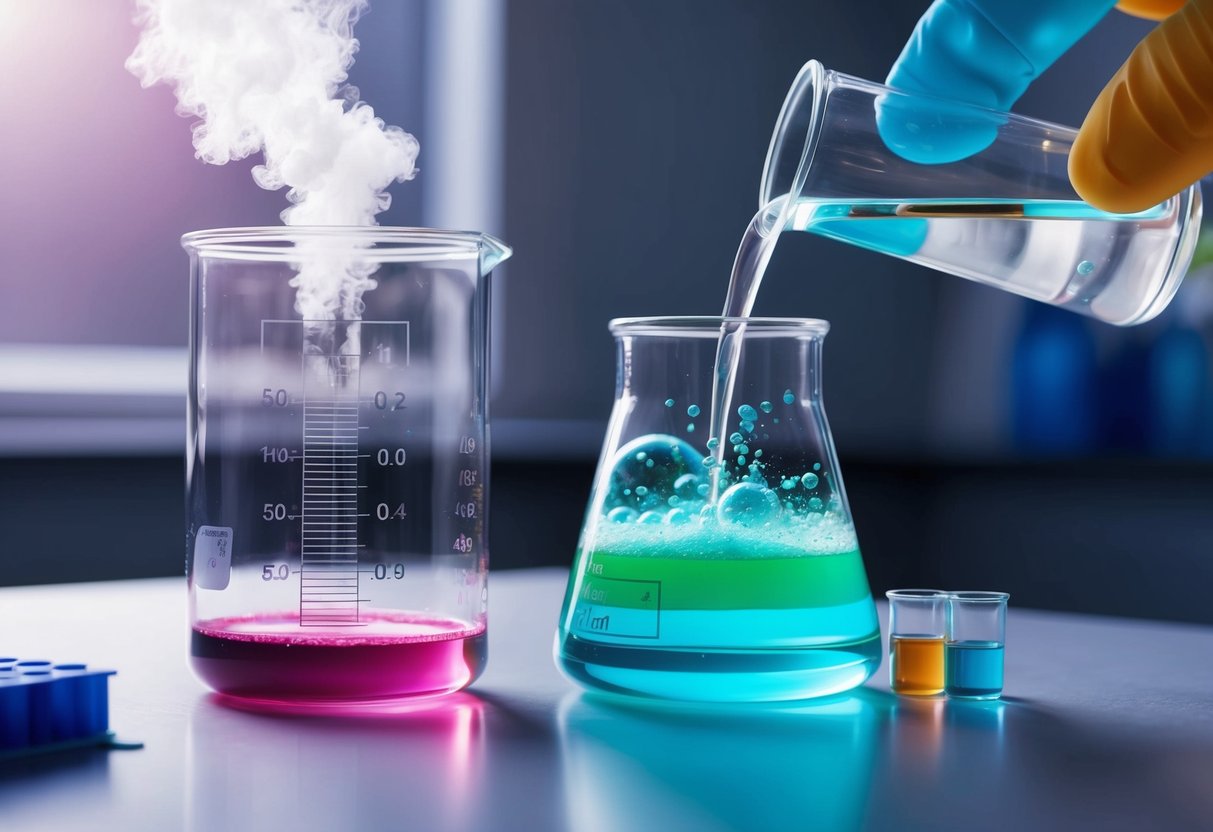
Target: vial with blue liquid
{"x":976,"y":638}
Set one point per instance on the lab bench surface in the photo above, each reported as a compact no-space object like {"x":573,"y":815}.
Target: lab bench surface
{"x":1106,"y":724}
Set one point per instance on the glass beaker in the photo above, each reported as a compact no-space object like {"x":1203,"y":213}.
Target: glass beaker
{"x":916,"y":636}
{"x":977,"y":635}
{"x":974,"y":192}
{"x":760,"y":595}
{"x":337,"y":460}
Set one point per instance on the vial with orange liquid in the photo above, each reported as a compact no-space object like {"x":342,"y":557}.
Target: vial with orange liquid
{"x":917,"y":627}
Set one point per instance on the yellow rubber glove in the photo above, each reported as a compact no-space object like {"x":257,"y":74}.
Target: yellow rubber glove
{"x":1150,"y":132}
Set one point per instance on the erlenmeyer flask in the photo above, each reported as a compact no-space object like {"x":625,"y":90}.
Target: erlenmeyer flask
{"x":759,"y":596}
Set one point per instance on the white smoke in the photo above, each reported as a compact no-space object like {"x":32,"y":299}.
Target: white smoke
{"x":269,"y":75}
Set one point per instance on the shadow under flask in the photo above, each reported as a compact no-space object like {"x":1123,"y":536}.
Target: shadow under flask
{"x":718,"y":568}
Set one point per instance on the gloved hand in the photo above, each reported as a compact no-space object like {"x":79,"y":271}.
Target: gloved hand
{"x":1148,"y":135}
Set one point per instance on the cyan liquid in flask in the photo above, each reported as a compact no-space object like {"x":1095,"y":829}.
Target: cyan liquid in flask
{"x":757,"y":595}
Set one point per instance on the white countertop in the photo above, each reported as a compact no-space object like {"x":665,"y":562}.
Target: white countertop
{"x":1107,"y":723}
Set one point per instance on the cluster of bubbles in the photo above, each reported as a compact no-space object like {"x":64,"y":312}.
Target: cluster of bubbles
{"x":661,"y":479}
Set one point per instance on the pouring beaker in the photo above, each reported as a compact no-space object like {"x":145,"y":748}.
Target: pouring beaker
{"x":974,"y":192}
{"x":337,"y":464}
{"x":760,"y":595}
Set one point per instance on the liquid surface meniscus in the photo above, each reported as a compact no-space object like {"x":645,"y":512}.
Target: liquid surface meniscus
{"x":974,"y":669}
{"x":270,"y":657}
{"x":916,"y":664}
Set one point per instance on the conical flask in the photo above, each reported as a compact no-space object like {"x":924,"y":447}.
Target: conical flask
{"x":758,"y":595}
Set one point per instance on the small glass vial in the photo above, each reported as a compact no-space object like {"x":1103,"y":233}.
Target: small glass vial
{"x":916,"y":637}
{"x":973,"y":656}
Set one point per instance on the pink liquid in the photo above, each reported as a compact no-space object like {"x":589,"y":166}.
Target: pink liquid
{"x":271,"y":657}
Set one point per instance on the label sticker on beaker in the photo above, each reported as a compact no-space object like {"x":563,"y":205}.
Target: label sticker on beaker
{"x":618,"y":607}
{"x":212,"y":557}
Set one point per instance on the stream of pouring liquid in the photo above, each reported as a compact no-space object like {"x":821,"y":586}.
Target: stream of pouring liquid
{"x":753,"y":255}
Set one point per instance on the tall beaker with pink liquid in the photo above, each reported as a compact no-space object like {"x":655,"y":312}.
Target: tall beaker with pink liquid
{"x":337,"y":461}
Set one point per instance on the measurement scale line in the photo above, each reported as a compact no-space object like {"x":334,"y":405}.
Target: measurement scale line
{"x":334,"y":622}
{"x":317,"y":601}
{"x":329,"y":574}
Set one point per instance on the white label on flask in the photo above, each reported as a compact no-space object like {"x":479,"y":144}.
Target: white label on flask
{"x":212,"y":557}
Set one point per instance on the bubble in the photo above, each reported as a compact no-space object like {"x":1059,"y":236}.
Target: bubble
{"x":788,"y":484}
{"x":713,"y":443}
{"x":741,"y":448}
{"x":709,"y":461}
{"x":758,"y":453}
{"x":622,"y":514}
{"x":653,"y":462}
{"x":816,"y":504}
{"x":669,"y":402}
{"x":702,"y":489}
{"x":766,"y":407}
{"x":741,"y":460}
{"x":690,"y":427}
{"x":747,"y":426}
{"x":748,"y":504}
{"x":747,"y":413}
{"x":685,"y":486}
{"x":673,"y":501}
{"x":651,"y":518}
{"x":677,"y":517}
{"x":735,"y":438}
{"x":788,"y":397}
{"x":1085,"y":267}
{"x":693,"y":411}
{"x":816,"y":466}
{"x":809,"y":480}
{"x":777,"y":420}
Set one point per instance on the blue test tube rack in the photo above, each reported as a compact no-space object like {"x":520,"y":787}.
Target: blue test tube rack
{"x":47,"y":707}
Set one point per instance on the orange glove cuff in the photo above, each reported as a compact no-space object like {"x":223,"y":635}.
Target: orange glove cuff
{"x":1150,"y":133}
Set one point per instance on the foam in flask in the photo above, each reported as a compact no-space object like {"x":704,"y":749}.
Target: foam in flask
{"x":718,"y":568}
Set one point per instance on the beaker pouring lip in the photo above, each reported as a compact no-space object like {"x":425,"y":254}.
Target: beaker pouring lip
{"x":375,"y":242}
{"x":916,"y":594}
{"x":983,"y":597}
{"x":708,"y":326}
{"x":777,"y":180}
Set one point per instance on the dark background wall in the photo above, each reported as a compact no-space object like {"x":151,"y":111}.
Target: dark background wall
{"x":634,"y":138}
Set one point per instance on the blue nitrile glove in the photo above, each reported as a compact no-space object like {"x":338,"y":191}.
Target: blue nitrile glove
{"x":1148,"y":135}
{"x":983,"y":52}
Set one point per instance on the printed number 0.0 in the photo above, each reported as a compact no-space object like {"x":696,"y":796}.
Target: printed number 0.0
{"x":389,"y":457}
